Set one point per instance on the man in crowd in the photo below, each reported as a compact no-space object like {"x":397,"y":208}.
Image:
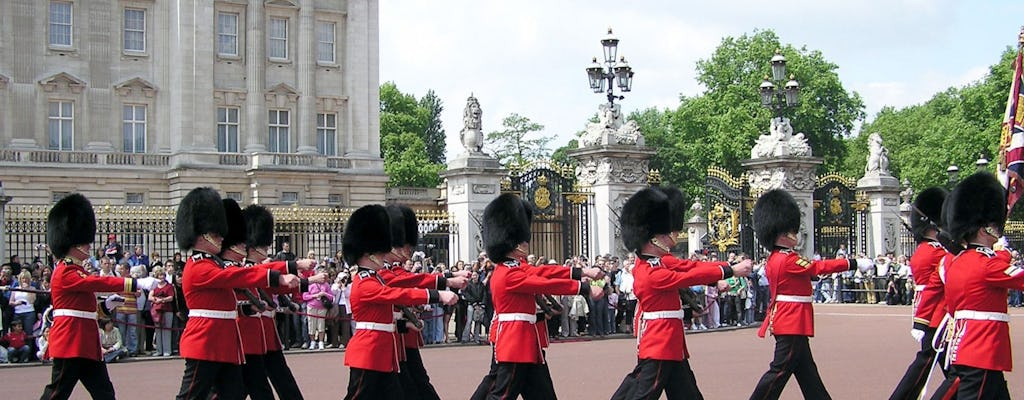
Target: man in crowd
{"x":138,"y":257}
{"x":113,"y":249}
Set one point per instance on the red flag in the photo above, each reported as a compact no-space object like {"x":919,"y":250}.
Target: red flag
{"x":1011,"y":142}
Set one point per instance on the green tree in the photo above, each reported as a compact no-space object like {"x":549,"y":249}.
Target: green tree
{"x":405,"y":163}
{"x":561,"y":154}
{"x":517,"y":144}
{"x":404,"y":123}
{"x":433,"y":133}
{"x":953,"y":127}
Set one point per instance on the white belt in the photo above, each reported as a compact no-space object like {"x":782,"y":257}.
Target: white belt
{"x":374,"y":326}
{"x":66,"y":312}
{"x":919,"y":287}
{"x":982,"y":315}
{"x":398,"y":315}
{"x":506,"y":317}
{"x":268,"y":314}
{"x":671,"y":314}
{"x":215,"y":314}
{"x":794,"y":299}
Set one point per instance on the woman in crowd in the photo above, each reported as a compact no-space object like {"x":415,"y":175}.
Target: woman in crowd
{"x":23,"y":303}
{"x":162,"y":310}
{"x":110,"y":341}
{"x":341,"y":289}
{"x":319,"y":300}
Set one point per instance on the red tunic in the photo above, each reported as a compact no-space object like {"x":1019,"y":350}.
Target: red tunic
{"x":929,"y":296}
{"x":254,"y":341}
{"x":73,"y":289}
{"x":789,"y":274}
{"x":396,"y":276}
{"x":208,"y":286}
{"x":977,"y":280}
{"x":680,"y":265}
{"x":513,"y":289}
{"x":272,"y":340}
{"x":656,"y":286}
{"x":543,"y":271}
{"x":373,"y":302}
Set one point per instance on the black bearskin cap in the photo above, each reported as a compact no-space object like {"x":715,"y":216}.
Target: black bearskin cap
{"x":200,"y":212}
{"x":259,"y":226}
{"x":506,"y":224}
{"x":927,"y":212}
{"x":645,"y":214}
{"x":396,"y":219}
{"x":366,"y":232}
{"x":236,"y":224}
{"x":412,"y":226}
{"x":775,"y":213}
{"x":976,"y":202}
{"x":676,"y":206}
{"x":71,"y":222}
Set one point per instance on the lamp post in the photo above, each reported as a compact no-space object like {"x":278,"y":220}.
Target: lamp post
{"x":953,"y":172}
{"x":605,"y":76}
{"x":982,"y":163}
{"x":4,"y":199}
{"x":779,"y":97}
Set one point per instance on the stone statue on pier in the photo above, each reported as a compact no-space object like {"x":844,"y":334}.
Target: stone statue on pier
{"x":472,"y":135}
{"x":878,"y":156}
{"x":610,"y":130}
{"x":780,"y":142}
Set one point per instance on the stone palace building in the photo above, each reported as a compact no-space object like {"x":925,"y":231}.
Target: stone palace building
{"x":135,"y":102}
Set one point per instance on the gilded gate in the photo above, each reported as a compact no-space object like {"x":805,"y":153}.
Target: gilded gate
{"x":839,"y":216}
{"x":560,"y":208}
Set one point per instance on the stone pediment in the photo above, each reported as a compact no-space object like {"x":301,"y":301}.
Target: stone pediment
{"x":283,"y":3}
{"x":62,"y":80}
{"x":281,"y":94}
{"x":135,"y":86}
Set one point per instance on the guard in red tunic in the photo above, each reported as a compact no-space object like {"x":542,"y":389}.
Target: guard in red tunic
{"x":404,"y":237}
{"x":211,"y":345}
{"x":372,"y":353}
{"x":929,"y":306}
{"x":649,"y":226}
{"x":977,"y":282}
{"x":260,"y":236}
{"x":518,"y":348}
{"x":790,"y":315}
{"x":74,"y":338}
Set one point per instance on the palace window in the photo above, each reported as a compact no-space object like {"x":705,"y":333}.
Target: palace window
{"x":61,"y":127}
{"x":134,"y":128}
{"x":326,"y":134}
{"x":278,"y":131}
{"x":227,"y":129}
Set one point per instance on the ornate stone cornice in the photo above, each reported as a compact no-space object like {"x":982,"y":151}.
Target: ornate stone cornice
{"x":62,"y":80}
{"x":135,"y":86}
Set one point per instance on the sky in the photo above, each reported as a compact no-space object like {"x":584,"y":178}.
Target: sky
{"x":528,"y":56}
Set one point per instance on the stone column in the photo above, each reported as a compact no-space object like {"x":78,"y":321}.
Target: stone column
{"x":255,"y":78}
{"x":696,"y":228}
{"x":613,"y":172}
{"x":306,"y":129}
{"x":883,"y":194}
{"x":473,"y":181}
{"x":795,"y":174}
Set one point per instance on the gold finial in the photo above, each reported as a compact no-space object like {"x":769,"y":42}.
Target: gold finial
{"x":654,"y":177}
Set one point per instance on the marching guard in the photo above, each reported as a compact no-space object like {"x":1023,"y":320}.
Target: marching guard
{"x":519,"y":365}
{"x":790,"y":314}
{"x":649,"y":226}
{"x":977,"y":280}
{"x":211,"y":345}
{"x":372,"y":354}
{"x":74,"y":342}
{"x":929,"y":297}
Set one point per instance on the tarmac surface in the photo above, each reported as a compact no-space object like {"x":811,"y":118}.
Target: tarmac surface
{"x":861,"y":352}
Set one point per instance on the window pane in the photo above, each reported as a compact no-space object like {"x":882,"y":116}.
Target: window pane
{"x":55,"y":109}
{"x":127,"y":113}
{"x":60,"y":12}
{"x":66,"y":135}
{"x":233,"y":115}
{"x":330,"y":121}
{"x":134,"y":19}
{"x":283,"y":117}
{"x":222,"y":114}
{"x":140,"y":113}
{"x":222,"y":145}
{"x":233,"y":139}
{"x":54,"y":130}
{"x":67,"y":108}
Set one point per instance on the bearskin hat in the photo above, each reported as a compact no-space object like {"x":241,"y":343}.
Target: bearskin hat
{"x":645,"y":214}
{"x":396,"y":219}
{"x":412,"y":226}
{"x":366,"y":232}
{"x":200,"y":212}
{"x":506,"y":224}
{"x":259,"y":226}
{"x":236,"y":224}
{"x":926,"y":212}
{"x":775,"y":213}
{"x":676,"y":205}
{"x":71,"y":222}
{"x":976,"y":202}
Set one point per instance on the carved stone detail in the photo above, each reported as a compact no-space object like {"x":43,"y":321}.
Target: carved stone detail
{"x":135,"y":87}
{"x":610,"y":170}
{"x":484,"y":189}
{"x":472,"y":135}
{"x":610,"y":130}
{"x":780,"y":142}
{"x":803,"y":179}
{"x":62,"y":81}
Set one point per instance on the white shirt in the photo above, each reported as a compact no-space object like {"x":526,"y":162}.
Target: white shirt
{"x":20,"y":308}
{"x":626,"y":285}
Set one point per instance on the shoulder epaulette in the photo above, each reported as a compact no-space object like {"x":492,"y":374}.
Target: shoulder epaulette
{"x":654,"y":261}
{"x":803,"y":262}
{"x":935,"y":244}
{"x":986,"y":251}
{"x":511,"y":263}
{"x":366,"y":273}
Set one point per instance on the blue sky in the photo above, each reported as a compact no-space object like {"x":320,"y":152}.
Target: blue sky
{"x":529,"y":56}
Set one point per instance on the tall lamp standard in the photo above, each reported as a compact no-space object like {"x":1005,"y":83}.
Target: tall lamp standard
{"x":953,"y":172}
{"x":780,"y":97}
{"x":4,"y":199}
{"x":604,"y":77}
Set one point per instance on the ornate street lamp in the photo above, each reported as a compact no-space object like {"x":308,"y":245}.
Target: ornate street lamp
{"x":981,"y":163}
{"x":779,"y":97}
{"x":953,"y":172}
{"x":604,"y":77}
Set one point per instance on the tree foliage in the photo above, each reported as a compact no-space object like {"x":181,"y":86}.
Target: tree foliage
{"x":518,"y":143}
{"x":412,"y":138}
{"x":954,"y":127}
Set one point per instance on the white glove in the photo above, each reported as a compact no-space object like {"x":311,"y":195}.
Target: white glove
{"x":865,"y":264}
{"x":113,"y":301}
{"x":917,"y":334}
{"x":1001,"y":244}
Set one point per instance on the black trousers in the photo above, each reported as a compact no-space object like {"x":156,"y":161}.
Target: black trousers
{"x":652,"y":377}
{"x":283,"y":322}
{"x":916,"y":376}
{"x":414,"y":377}
{"x":974,"y":383}
{"x":539,"y":382}
{"x":254,"y":377}
{"x":792,"y":357}
{"x":281,"y":376}
{"x":373,"y":385}
{"x":67,"y":372}
{"x":203,"y":377}
{"x":461,"y":311}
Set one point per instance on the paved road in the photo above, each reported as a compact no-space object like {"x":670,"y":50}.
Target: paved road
{"x":861,"y":351}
